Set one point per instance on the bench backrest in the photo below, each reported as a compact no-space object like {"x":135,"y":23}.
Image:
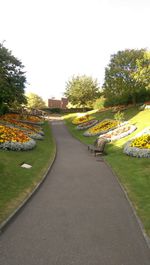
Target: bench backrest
{"x":101,"y":143}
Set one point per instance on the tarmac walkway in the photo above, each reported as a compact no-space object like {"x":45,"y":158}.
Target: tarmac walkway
{"x":79,"y":216}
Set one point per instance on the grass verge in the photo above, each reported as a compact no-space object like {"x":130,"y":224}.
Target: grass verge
{"x":16,"y":183}
{"x":133,"y":173}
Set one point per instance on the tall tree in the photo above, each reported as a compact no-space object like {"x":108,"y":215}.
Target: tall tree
{"x":35,"y":102}
{"x":125,"y":75}
{"x":12,"y":78}
{"x":142,"y":74}
{"x":82,"y":91}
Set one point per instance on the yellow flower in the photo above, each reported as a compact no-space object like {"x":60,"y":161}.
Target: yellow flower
{"x":82,"y":119}
{"x":141,"y":142}
{"x":103,"y":126}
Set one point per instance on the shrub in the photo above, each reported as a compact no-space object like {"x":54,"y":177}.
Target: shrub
{"x":99,"y":103}
{"x":119,"y":116}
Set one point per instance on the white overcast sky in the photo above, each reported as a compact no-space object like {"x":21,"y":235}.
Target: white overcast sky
{"x":56,"y":39}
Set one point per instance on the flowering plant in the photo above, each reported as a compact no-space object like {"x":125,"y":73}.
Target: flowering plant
{"x":119,"y":132}
{"x":24,"y":126}
{"x":82,"y":119}
{"x":34,"y":135}
{"x":139,"y":146}
{"x":87,"y":124}
{"x":101,"y":128}
{"x":14,"y":139}
{"x":141,"y":142}
{"x":23,"y":118}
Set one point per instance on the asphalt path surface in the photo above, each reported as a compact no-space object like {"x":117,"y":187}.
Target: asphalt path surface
{"x":79,"y":216}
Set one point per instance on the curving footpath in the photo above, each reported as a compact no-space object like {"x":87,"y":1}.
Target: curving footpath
{"x":79,"y":216}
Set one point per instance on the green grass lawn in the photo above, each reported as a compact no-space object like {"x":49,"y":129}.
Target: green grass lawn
{"x":16,"y":183}
{"x":133,"y":173}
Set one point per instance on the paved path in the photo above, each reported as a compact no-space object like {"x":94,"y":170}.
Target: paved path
{"x":80,"y":216}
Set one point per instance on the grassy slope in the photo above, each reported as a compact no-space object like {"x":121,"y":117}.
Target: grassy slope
{"x":16,"y":182}
{"x":133,"y":173}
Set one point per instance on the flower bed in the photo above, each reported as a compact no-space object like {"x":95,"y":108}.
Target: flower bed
{"x":25,"y":126}
{"x":87,"y":124}
{"x":23,"y":118}
{"x":140,"y":145}
{"x":142,"y":142}
{"x":119,"y":133}
{"x":82,"y":119}
{"x":119,"y":108}
{"x":101,"y":128}
{"x":32,"y":122}
{"x":14,"y":139}
{"x":33,"y":135}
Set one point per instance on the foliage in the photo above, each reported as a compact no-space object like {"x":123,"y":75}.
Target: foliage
{"x":3,"y":108}
{"x":12,"y":79}
{"x":99,"y":103}
{"x":119,"y":116}
{"x":35,"y":102}
{"x":127,"y":77}
{"x":143,"y":73}
{"x":82,"y":91}
{"x":56,"y":110}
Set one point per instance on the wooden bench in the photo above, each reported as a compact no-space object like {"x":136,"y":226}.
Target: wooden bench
{"x":99,"y":146}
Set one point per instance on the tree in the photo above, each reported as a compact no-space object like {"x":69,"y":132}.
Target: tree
{"x":12,"y":79}
{"x":125,"y":76}
{"x":143,"y":73}
{"x":35,"y":102}
{"x":82,"y":91}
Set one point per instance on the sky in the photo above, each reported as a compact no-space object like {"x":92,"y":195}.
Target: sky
{"x":58,"y":39}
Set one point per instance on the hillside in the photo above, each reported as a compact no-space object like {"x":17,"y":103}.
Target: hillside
{"x":133,"y":173}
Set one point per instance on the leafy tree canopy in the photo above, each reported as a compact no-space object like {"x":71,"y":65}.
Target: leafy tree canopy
{"x":35,"y":102}
{"x":82,"y":91}
{"x":12,"y":78}
{"x":127,"y":75}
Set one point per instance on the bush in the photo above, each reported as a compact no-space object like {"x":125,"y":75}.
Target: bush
{"x":119,"y":116}
{"x":3,"y":109}
{"x":141,"y":97}
{"x":99,"y":103}
{"x":114,"y":101}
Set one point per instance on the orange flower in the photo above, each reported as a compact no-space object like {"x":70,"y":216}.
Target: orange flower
{"x":8,"y":134}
